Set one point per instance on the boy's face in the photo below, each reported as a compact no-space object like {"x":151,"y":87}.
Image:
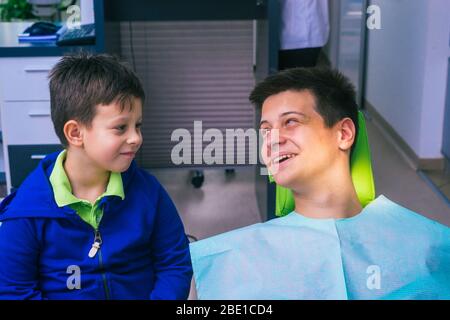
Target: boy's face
{"x":114,"y":137}
{"x":310,"y":147}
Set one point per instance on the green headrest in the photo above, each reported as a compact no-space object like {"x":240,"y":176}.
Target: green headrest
{"x":361,"y":171}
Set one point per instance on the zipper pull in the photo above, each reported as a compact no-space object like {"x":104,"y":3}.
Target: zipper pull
{"x":96,"y":245}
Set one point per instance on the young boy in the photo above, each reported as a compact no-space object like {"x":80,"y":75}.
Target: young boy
{"x":87,"y":223}
{"x":329,"y":247}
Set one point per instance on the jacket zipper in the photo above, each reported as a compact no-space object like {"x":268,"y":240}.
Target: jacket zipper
{"x":93,"y":252}
{"x":96,"y":245}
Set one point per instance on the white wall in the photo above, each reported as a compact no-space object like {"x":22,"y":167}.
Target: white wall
{"x":406,"y":70}
{"x":87,"y":11}
{"x":435,"y":81}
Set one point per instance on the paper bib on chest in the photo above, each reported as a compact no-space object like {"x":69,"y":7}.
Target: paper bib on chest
{"x":385,"y":252}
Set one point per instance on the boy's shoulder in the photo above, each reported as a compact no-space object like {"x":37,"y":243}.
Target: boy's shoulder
{"x":138,"y":178}
{"x":141,"y":187}
{"x":34,"y":197}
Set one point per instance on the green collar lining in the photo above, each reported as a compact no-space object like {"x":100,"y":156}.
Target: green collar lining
{"x":63,"y":190}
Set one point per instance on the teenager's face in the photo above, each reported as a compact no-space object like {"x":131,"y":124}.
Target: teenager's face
{"x":306,"y":146}
{"x":114,"y":137}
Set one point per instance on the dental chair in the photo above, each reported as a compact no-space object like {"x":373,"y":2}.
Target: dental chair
{"x":361,"y":171}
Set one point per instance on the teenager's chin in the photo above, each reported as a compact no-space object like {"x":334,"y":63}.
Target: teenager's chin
{"x":284,"y":180}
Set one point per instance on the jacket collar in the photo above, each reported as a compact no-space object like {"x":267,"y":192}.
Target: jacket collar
{"x":35,"y":197}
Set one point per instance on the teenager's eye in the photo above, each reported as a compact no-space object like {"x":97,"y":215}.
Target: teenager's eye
{"x":264,"y":131}
{"x":138,"y":125}
{"x":291,"y":121}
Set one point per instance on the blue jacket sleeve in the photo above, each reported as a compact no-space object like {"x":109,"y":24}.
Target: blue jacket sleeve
{"x":19,"y":259}
{"x":170,"y":247}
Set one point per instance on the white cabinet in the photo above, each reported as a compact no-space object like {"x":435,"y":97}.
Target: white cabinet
{"x":25,"y":114}
{"x":25,"y":79}
{"x":28,"y":122}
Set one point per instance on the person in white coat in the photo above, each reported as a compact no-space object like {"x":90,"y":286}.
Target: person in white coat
{"x":304,"y":30}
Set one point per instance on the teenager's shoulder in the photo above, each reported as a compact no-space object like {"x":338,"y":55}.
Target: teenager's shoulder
{"x":390,"y":227}
{"x":387,"y":212}
{"x":226,"y":241}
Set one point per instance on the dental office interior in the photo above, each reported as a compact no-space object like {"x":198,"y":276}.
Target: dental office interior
{"x":198,"y":61}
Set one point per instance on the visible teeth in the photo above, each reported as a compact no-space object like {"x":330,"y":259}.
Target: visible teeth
{"x":283,"y":157}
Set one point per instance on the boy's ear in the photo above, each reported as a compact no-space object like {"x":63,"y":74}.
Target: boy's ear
{"x":346,"y":134}
{"x":73,"y":133}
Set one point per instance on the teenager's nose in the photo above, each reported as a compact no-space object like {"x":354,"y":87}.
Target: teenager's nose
{"x":276,"y":138}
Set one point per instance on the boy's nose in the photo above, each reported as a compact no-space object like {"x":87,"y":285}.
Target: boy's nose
{"x":135,"y":138}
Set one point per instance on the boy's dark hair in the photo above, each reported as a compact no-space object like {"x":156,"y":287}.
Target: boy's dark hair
{"x":80,"y":82}
{"x":334,"y":94}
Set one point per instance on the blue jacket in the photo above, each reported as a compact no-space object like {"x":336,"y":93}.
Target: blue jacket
{"x":44,"y":249}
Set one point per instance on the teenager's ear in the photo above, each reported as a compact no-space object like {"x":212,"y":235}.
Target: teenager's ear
{"x":346,"y":134}
{"x":73,"y":133}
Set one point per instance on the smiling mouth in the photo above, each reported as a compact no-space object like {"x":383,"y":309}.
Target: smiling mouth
{"x":129,"y":154}
{"x":283,"y":158}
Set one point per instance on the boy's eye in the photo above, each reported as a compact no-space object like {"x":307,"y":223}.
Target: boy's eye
{"x":121,"y":128}
{"x":138,"y":125}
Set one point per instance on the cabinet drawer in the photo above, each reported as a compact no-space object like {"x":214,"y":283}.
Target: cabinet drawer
{"x":25,"y":79}
{"x":28,"y":122}
{"x":24,"y":159}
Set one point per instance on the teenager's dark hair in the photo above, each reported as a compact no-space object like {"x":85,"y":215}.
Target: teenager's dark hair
{"x":334,"y":94}
{"x":80,"y":82}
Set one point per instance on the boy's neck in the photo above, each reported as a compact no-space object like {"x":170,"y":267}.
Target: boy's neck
{"x":331,"y":197}
{"x":88,"y":181}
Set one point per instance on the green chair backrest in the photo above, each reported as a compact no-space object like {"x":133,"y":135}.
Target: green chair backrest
{"x":361,"y":171}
